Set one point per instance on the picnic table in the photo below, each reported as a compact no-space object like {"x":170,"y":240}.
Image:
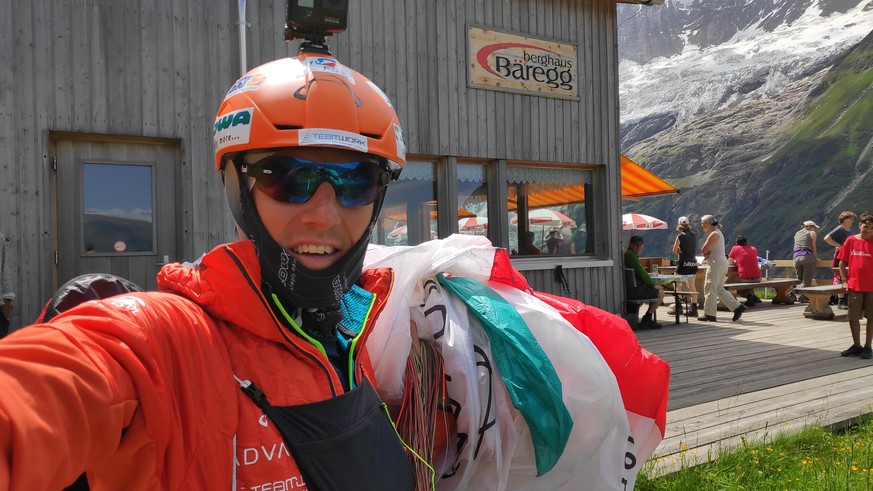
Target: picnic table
{"x":667,"y":280}
{"x":734,"y":284}
{"x":780,"y":285}
{"x":698,"y":277}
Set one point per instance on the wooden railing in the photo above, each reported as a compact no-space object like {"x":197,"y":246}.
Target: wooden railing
{"x":784,"y":268}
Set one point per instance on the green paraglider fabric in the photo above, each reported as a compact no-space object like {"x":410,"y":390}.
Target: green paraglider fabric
{"x":527,"y":372}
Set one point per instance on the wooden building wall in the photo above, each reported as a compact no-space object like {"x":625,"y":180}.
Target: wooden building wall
{"x":159,"y":68}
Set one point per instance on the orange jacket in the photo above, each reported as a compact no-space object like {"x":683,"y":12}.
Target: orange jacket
{"x":140,"y":391}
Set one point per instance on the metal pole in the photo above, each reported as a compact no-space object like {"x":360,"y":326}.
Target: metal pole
{"x":242,"y":36}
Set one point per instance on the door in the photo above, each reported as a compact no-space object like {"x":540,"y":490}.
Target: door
{"x":116,"y":209}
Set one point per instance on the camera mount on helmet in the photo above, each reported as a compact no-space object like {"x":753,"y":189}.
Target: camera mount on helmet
{"x":313,"y":21}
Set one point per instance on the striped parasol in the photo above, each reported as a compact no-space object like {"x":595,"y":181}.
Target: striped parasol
{"x":638,"y":221}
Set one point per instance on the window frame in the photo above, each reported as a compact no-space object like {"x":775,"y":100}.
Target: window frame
{"x":497,"y":172}
{"x":152,"y":190}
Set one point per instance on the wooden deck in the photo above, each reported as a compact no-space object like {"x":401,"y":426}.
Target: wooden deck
{"x":773,"y":371}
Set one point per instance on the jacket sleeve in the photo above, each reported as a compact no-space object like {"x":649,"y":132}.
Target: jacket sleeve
{"x":102,"y":388}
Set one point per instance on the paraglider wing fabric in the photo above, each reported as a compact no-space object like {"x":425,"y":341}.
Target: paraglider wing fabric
{"x":529,"y":377}
{"x":643,"y":378}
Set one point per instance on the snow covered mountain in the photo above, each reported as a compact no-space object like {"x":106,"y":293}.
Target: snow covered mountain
{"x":689,"y":58}
{"x":770,"y":161}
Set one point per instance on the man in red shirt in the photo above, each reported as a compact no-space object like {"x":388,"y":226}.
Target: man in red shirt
{"x":856,"y":269}
{"x":746,"y":259}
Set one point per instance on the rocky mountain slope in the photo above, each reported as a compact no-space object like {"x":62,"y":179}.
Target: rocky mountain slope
{"x":766,"y":163}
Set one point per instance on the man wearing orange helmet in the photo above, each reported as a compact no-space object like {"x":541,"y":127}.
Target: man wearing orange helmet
{"x":143,"y":390}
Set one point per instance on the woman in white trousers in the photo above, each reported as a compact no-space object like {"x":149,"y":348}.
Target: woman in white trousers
{"x":713,"y":251}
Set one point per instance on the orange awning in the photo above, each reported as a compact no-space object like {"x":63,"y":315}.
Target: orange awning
{"x":636,"y":182}
{"x":562,"y":196}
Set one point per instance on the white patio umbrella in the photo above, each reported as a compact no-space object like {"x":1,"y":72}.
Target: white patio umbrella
{"x":543,"y":217}
{"x":638,"y":221}
{"x":473,"y":224}
{"x":397,"y":233}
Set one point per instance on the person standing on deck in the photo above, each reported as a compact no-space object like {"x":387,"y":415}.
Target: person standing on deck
{"x":804,"y":254}
{"x":835,"y":238}
{"x":685,"y":245}
{"x":713,"y":286}
{"x":856,"y":269}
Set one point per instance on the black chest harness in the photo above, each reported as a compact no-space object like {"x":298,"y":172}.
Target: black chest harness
{"x":342,"y":443}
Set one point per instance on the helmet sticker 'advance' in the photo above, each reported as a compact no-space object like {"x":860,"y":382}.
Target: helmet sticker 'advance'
{"x":233,"y":128}
{"x":335,"y":138}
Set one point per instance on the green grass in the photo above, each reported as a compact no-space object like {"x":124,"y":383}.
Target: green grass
{"x":850,"y":93}
{"x":814,"y":459}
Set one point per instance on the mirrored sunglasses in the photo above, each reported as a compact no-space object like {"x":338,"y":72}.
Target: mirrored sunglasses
{"x":295,"y":180}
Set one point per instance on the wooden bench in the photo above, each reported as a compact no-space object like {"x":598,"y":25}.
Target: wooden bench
{"x":819,"y":296}
{"x":780,"y":285}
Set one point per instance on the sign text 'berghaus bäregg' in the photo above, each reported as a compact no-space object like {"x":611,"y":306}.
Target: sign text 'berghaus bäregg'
{"x":502,"y":61}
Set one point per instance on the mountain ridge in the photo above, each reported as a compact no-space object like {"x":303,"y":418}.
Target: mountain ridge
{"x":689,"y":59}
{"x":766,"y":164}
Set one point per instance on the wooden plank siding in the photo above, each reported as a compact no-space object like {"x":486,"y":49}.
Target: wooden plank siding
{"x":444,"y":117}
{"x":159,"y":68}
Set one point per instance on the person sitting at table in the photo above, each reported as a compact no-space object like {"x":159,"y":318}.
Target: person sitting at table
{"x":552,"y":241}
{"x":645,"y":286}
{"x":566,"y":244}
{"x":745,"y":257}
{"x":527,"y":246}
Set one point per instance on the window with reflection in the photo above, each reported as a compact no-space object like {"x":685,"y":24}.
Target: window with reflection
{"x":472,"y":199}
{"x":547,"y":212}
{"x":409,"y":215}
{"x":118,"y":209}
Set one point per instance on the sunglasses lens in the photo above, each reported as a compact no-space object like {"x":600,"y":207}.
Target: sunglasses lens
{"x":358,"y":184}
{"x":295,"y":180}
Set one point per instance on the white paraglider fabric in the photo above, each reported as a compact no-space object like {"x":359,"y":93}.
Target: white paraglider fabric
{"x":494,"y":449}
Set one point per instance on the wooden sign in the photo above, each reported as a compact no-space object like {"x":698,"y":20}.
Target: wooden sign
{"x":509,"y":62}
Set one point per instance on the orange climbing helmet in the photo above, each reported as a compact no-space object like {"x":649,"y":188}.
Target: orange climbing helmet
{"x":309,"y":100}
